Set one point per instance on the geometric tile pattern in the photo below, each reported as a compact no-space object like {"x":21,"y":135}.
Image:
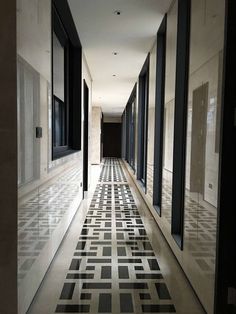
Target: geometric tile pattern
{"x":41,"y":214}
{"x":200,"y":229}
{"x":114,"y":268}
{"x":112,"y":171}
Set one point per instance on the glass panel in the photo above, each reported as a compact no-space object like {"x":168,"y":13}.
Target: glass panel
{"x":27,"y":117}
{"x":57,"y":121}
{"x":144,"y":126}
{"x":171,"y":43}
{"x":202,"y":154}
{"x":151,"y":120}
{"x":58,"y":68}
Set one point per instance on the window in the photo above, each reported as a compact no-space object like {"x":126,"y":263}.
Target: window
{"x":59,"y":128}
{"x":66,"y":84}
{"x":60,"y":71}
{"x":59,"y":102}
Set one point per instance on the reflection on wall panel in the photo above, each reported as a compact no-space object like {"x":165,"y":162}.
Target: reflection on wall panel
{"x":202,"y":153}
{"x":219,"y":99}
{"x":168,"y":132}
{"x":198,"y":139}
{"x":49,"y":191}
{"x":28,"y":118}
{"x":202,"y":144}
{"x":168,"y":136}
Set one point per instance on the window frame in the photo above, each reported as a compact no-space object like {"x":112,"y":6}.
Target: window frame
{"x":159,"y":115}
{"x":64,"y":29}
{"x":143,"y":123}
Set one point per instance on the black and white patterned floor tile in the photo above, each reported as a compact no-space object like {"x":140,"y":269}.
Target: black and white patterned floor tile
{"x":114,"y":268}
{"x":112,"y":171}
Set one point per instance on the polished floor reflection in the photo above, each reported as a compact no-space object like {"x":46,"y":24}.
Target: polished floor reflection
{"x":116,"y":261}
{"x":40,"y":215}
{"x":200,"y":229}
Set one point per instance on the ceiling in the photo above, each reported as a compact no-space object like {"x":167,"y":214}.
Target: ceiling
{"x":131,"y":34}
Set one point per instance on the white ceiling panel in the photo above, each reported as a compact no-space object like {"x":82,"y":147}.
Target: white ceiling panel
{"x":131,"y":34}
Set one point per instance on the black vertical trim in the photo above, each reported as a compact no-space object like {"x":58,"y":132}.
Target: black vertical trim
{"x":133,"y":105}
{"x":75,"y":96}
{"x":101,"y":149}
{"x":180,"y":123}
{"x":64,"y":12}
{"x":124,"y":134}
{"x":140,"y":131}
{"x":226,"y":234}
{"x":159,"y":114}
{"x":127,"y":133}
{"x":85,"y":146}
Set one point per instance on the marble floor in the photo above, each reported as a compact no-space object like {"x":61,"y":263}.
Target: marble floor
{"x":114,"y":259}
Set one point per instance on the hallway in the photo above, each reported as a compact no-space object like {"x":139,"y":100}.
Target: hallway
{"x":118,"y":260}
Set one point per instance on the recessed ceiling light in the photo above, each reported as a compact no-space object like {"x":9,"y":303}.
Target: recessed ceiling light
{"x":117,"y":12}
{"x":114,"y":75}
{"x":115,"y":53}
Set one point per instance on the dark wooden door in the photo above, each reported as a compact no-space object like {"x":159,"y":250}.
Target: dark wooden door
{"x":112,"y":140}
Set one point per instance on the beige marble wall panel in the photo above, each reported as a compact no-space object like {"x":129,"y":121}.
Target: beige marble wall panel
{"x":171,"y":42}
{"x":44,"y":124}
{"x":207,"y":36}
{"x":151,"y":118}
{"x":168,"y":135}
{"x":207,"y":73}
{"x":207,"y":31}
{"x":34,"y":34}
{"x":96,"y":135}
{"x":86,"y":75}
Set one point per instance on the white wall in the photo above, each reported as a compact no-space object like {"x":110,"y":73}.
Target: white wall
{"x":96,"y":135}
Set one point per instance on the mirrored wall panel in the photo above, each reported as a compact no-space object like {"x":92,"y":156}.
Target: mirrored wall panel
{"x":203,"y":134}
{"x":49,"y":191}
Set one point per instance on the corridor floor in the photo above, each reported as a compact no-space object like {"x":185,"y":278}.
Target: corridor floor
{"x":114,"y":258}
